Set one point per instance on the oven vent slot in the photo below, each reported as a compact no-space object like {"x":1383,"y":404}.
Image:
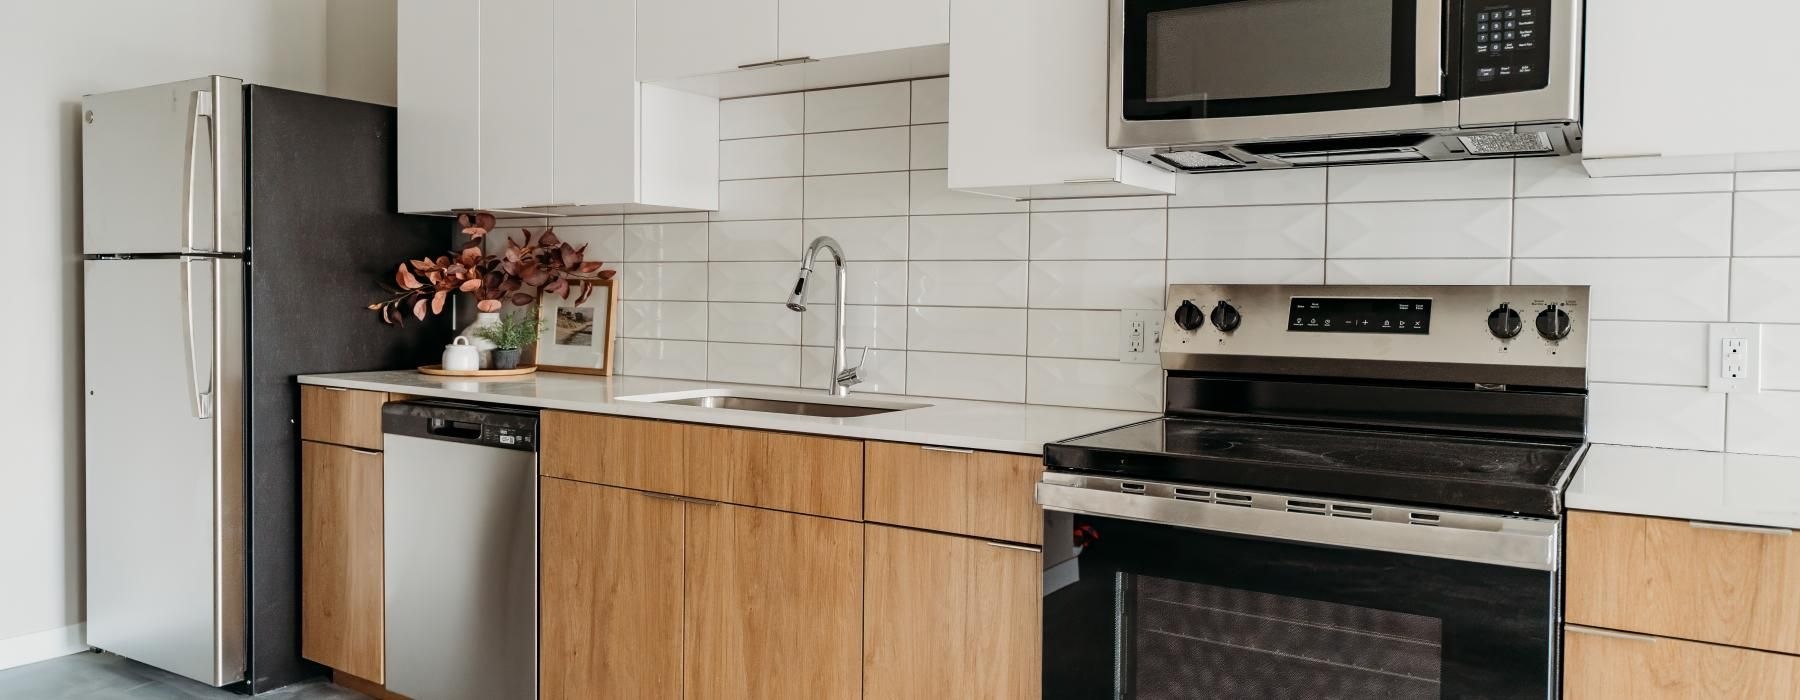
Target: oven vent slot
{"x":1430,"y":519}
{"x":1357,"y":512}
{"x":1183,"y":493}
{"x":1310,"y":507}
{"x":1132,"y":488}
{"x":1233,"y":499}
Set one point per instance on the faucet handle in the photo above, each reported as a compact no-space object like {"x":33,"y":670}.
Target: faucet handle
{"x":852,"y":375}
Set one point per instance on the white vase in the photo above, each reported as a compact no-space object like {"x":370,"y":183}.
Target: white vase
{"x":482,"y":320}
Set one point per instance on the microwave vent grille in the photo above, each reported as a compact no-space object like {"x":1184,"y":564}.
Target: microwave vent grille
{"x":1198,"y":161}
{"x":1497,"y":143}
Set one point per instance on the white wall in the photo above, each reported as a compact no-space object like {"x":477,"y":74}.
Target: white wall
{"x":51,"y":53}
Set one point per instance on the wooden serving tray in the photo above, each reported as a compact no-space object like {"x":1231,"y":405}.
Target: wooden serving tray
{"x":439,"y":371}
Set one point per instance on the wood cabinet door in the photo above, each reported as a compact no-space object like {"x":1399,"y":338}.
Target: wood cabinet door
{"x":774,"y":605}
{"x":1603,"y":665}
{"x":341,"y":594}
{"x":984,"y":494}
{"x":610,"y":593}
{"x":950,"y":617}
{"x":1711,"y":583}
{"x":647,"y":455}
{"x":341,"y":416}
{"x":827,"y":28}
{"x":783,"y":471}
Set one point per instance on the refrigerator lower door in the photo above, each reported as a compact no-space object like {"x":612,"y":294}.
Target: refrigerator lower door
{"x":164,"y":438}
{"x":162,"y":169}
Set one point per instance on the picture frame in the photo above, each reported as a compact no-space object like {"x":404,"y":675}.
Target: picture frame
{"x":579,"y":338}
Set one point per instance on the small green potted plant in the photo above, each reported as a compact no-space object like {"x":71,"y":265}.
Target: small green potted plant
{"x":514,"y":331}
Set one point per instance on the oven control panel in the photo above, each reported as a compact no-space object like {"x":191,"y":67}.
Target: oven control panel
{"x":1504,"y":46}
{"x":1359,"y":315}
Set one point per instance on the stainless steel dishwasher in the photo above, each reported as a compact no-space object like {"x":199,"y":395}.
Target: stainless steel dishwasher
{"x":459,"y":497}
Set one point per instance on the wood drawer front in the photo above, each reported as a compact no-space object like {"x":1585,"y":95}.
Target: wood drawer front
{"x":782,"y":471}
{"x":983,"y":494}
{"x":342,"y":608}
{"x":1678,"y":579}
{"x":1600,"y":665}
{"x":341,"y":416}
{"x":647,"y":455}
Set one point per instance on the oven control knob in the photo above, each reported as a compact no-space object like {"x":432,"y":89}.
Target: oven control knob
{"x":1189,"y":317}
{"x":1504,"y":322}
{"x":1553,"y":323}
{"x":1225,"y":317}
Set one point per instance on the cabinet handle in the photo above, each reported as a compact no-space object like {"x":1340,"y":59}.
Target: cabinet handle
{"x":1090,"y":181}
{"x":778,"y":62}
{"x":367,"y":453}
{"x":1597,"y":632}
{"x":1020,"y":547}
{"x":956,"y":450}
{"x":333,"y":388}
{"x":1703,"y":525}
{"x":682,"y":499}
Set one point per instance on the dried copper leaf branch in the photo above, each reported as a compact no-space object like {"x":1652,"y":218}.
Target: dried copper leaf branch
{"x":530,"y":267}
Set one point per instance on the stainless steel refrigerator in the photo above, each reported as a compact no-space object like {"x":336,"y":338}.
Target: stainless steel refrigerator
{"x":233,"y":235}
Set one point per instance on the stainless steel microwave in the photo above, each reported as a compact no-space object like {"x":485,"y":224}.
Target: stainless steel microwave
{"x":1211,"y":85}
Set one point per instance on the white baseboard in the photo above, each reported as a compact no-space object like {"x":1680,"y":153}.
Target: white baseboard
{"x":41,"y":646}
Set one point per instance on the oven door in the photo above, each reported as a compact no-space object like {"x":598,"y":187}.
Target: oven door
{"x":1144,"y":610}
{"x":1210,"y":71}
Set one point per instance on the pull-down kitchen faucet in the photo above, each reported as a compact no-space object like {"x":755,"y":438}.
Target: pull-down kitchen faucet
{"x":842,"y":378}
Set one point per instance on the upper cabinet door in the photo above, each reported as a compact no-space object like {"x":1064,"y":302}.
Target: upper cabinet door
{"x":827,"y":28}
{"x":680,"y":38}
{"x":437,"y":83}
{"x":518,"y":94}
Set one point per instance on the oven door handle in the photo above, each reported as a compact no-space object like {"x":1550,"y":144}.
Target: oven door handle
{"x":1428,"y":68}
{"x":1524,"y":544}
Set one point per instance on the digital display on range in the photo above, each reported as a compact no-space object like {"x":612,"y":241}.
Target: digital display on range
{"x":1351,"y":315}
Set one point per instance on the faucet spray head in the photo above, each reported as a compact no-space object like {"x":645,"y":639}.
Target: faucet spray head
{"x":797,"y":300}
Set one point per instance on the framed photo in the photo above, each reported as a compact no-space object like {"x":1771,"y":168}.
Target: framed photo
{"x":578,"y":338}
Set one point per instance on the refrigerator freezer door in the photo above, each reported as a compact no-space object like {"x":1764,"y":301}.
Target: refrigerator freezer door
{"x":165,"y":521}
{"x":162,"y":169}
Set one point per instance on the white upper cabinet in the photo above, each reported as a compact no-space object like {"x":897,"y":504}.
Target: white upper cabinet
{"x":535,"y":106}
{"x":681,"y":38}
{"x":823,"y":29}
{"x":1675,"y":87}
{"x":1028,"y":103}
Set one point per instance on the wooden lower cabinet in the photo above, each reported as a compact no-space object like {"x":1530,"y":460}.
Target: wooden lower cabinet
{"x":1602,"y":665}
{"x":774,"y":605}
{"x":342,"y":609}
{"x":950,"y":617}
{"x":610,"y":591}
{"x":983,"y":494}
{"x":342,"y":416}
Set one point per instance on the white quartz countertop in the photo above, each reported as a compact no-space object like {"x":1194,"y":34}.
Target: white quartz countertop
{"x":1718,"y":487}
{"x":977,"y":425}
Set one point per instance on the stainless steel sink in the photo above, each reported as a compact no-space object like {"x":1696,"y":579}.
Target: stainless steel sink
{"x":739,"y":400}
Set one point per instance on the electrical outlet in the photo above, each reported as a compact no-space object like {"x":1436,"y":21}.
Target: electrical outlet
{"x":1734,"y":358}
{"x":1140,"y":336}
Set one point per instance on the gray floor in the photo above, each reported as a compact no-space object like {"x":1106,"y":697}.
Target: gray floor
{"x":90,"y":676}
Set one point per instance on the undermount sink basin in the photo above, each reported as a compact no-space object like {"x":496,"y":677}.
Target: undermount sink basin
{"x":738,"y":400}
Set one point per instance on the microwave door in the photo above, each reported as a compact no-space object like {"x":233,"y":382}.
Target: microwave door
{"x":1194,"y":71}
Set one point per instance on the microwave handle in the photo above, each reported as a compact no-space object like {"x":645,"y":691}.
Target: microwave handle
{"x":1428,"y":70}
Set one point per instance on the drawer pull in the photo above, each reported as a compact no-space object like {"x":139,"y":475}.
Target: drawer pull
{"x":955,"y":450}
{"x":1597,"y":632}
{"x":1019,"y":547}
{"x":682,"y":499}
{"x":333,"y":388}
{"x":1703,"y":525}
{"x":370,"y":453}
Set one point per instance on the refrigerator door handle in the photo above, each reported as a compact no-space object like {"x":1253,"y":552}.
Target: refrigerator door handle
{"x":202,"y":398}
{"x":202,"y":109}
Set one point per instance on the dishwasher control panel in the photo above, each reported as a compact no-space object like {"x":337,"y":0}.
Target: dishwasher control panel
{"x":471,"y":424}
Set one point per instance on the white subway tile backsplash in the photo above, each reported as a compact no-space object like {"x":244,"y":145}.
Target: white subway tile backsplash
{"x":1682,"y":418}
{"x":1245,"y":272}
{"x":862,"y":107}
{"x":930,"y":146}
{"x":1295,"y":186}
{"x":774,"y":156}
{"x":663,"y":281}
{"x":874,"y":194}
{"x":1097,"y":284}
{"x":931,"y":101}
{"x":604,"y":243}
{"x":1750,"y":182}
{"x":1416,"y":271}
{"x":965,"y":283}
{"x":769,"y":115}
{"x":764,"y":282}
{"x":1467,"y":179}
{"x":1645,"y":226}
{"x":1563,"y":176}
{"x":1644,"y":352}
{"x":1764,"y":290}
{"x":864,"y":326}
{"x":976,"y":330}
{"x":1781,"y":357}
{"x":674,"y":359}
{"x":753,"y":323}
{"x":1639,"y":289}
{"x":1156,"y":201}
{"x":754,"y":240}
{"x":970,"y":237}
{"x":1070,"y":333}
{"x":1100,"y":235}
{"x":1766,"y":224}
{"x":860,"y":151}
{"x":1094,"y":383}
{"x":959,"y":376}
{"x":665,"y":242}
{"x":882,"y":371}
{"x":930,"y":195}
{"x":1476,"y":228}
{"x":871,"y":282}
{"x":1770,"y":160}
{"x":741,"y":200}
{"x":665,"y":320}
{"x":1292,"y":231}
{"x":881,"y":238}
{"x":666,"y":217}
{"x":1763,"y":423}
{"x":743,"y":363}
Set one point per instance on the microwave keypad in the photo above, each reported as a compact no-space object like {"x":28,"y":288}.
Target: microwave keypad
{"x":1504,"y":48}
